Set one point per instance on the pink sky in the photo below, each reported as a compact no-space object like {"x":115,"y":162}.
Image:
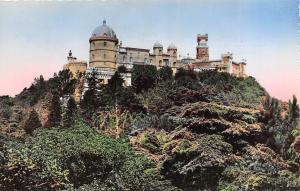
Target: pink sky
{"x":35,"y":36}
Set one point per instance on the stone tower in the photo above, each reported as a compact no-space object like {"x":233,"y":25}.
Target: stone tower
{"x":202,"y":48}
{"x":103,"y":48}
{"x":172,"y":51}
{"x":158,"y":53}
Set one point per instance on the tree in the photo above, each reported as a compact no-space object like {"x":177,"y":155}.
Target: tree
{"x":115,"y":85}
{"x":293,"y":108}
{"x":32,"y":122}
{"x":122,"y":69}
{"x":54,"y":117}
{"x":165,"y":73}
{"x":71,"y":113}
{"x":90,"y":102}
{"x":143,"y":77}
{"x":183,"y":74}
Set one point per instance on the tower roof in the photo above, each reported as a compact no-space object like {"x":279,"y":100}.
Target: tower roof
{"x":172,"y":47}
{"x":104,"y":31}
{"x":157,"y":45}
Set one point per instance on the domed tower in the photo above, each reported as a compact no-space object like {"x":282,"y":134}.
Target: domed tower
{"x":172,"y":51}
{"x":202,"y":48}
{"x":158,"y":53}
{"x":103,"y":48}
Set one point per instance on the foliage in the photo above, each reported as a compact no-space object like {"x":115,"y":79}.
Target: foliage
{"x":90,"y":101}
{"x":243,"y":92}
{"x":54,"y":118}
{"x":6,"y":103}
{"x":281,"y":130}
{"x":164,"y":73}
{"x":122,"y":69}
{"x":115,"y":85}
{"x":32,"y":123}
{"x":143,"y":77}
{"x":76,"y":157}
{"x":62,"y":83}
{"x":70,"y":113}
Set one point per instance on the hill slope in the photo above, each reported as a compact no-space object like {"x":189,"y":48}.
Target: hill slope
{"x":206,"y":131}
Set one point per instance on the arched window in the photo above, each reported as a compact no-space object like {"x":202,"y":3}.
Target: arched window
{"x":145,"y":61}
{"x":159,"y":63}
{"x":124,"y":58}
{"x":104,"y":55}
{"x":174,"y":63}
{"x":130,"y":59}
{"x":104,"y":43}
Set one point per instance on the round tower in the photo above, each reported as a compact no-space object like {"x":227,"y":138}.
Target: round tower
{"x":202,"y":48}
{"x":103,"y":48}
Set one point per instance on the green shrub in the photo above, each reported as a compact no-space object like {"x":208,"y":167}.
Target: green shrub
{"x":76,"y":157}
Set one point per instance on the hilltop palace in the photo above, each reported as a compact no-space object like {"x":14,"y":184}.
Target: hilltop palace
{"x":107,"y":54}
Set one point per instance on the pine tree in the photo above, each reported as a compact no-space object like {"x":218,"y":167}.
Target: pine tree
{"x":293,"y":108}
{"x":115,"y":87}
{"x":90,"y":101}
{"x":71,"y":113}
{"x":54,"y":117}
{"x":32,"y":122}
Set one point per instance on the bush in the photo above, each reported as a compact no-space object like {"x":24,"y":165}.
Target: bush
{"x":76,"y":157}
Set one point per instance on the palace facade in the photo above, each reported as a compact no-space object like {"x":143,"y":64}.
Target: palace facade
{"x":107,"y":53}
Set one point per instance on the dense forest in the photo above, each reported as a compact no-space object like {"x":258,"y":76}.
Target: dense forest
{"x":192,"y":131}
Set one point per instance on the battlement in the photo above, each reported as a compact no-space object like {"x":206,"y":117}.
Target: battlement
{"x":202,"y":37}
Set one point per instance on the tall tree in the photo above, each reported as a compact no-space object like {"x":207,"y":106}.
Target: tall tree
{"x":115,"y":85}
{"x":54,"y":117}
{"x":32,"y":122}
{"x":90,"y":101}
{"x":70,"y":114}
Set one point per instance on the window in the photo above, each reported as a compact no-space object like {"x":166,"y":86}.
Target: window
{"x":124,"y":58}
{"x":93,"y":55}
{"x":145,"y":61}
{"x":130,"y":59}
{"x":104,"y":55}
{"x":104,"y":43}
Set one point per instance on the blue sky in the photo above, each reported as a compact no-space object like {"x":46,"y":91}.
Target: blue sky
{"x":36,"y":36}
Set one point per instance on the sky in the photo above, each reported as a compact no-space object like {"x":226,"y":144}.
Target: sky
{"x":36,"y":36}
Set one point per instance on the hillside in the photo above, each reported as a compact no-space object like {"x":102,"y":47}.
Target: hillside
{"x":194,"y":131}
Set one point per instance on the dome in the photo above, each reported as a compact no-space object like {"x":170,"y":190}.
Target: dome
{"x":172,"y":47}
{"x":157,"y":45}
{"x":104,"y":31}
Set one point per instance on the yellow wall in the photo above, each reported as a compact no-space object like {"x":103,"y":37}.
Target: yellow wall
{"x":103,"y":54}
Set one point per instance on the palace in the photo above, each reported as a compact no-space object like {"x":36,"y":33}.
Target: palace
{"x":107,"y":53}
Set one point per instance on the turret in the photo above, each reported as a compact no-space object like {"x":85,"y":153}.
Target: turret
{"x":103,"y":48}
{"x":158,"y":53}
{"x":202,"y":48}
